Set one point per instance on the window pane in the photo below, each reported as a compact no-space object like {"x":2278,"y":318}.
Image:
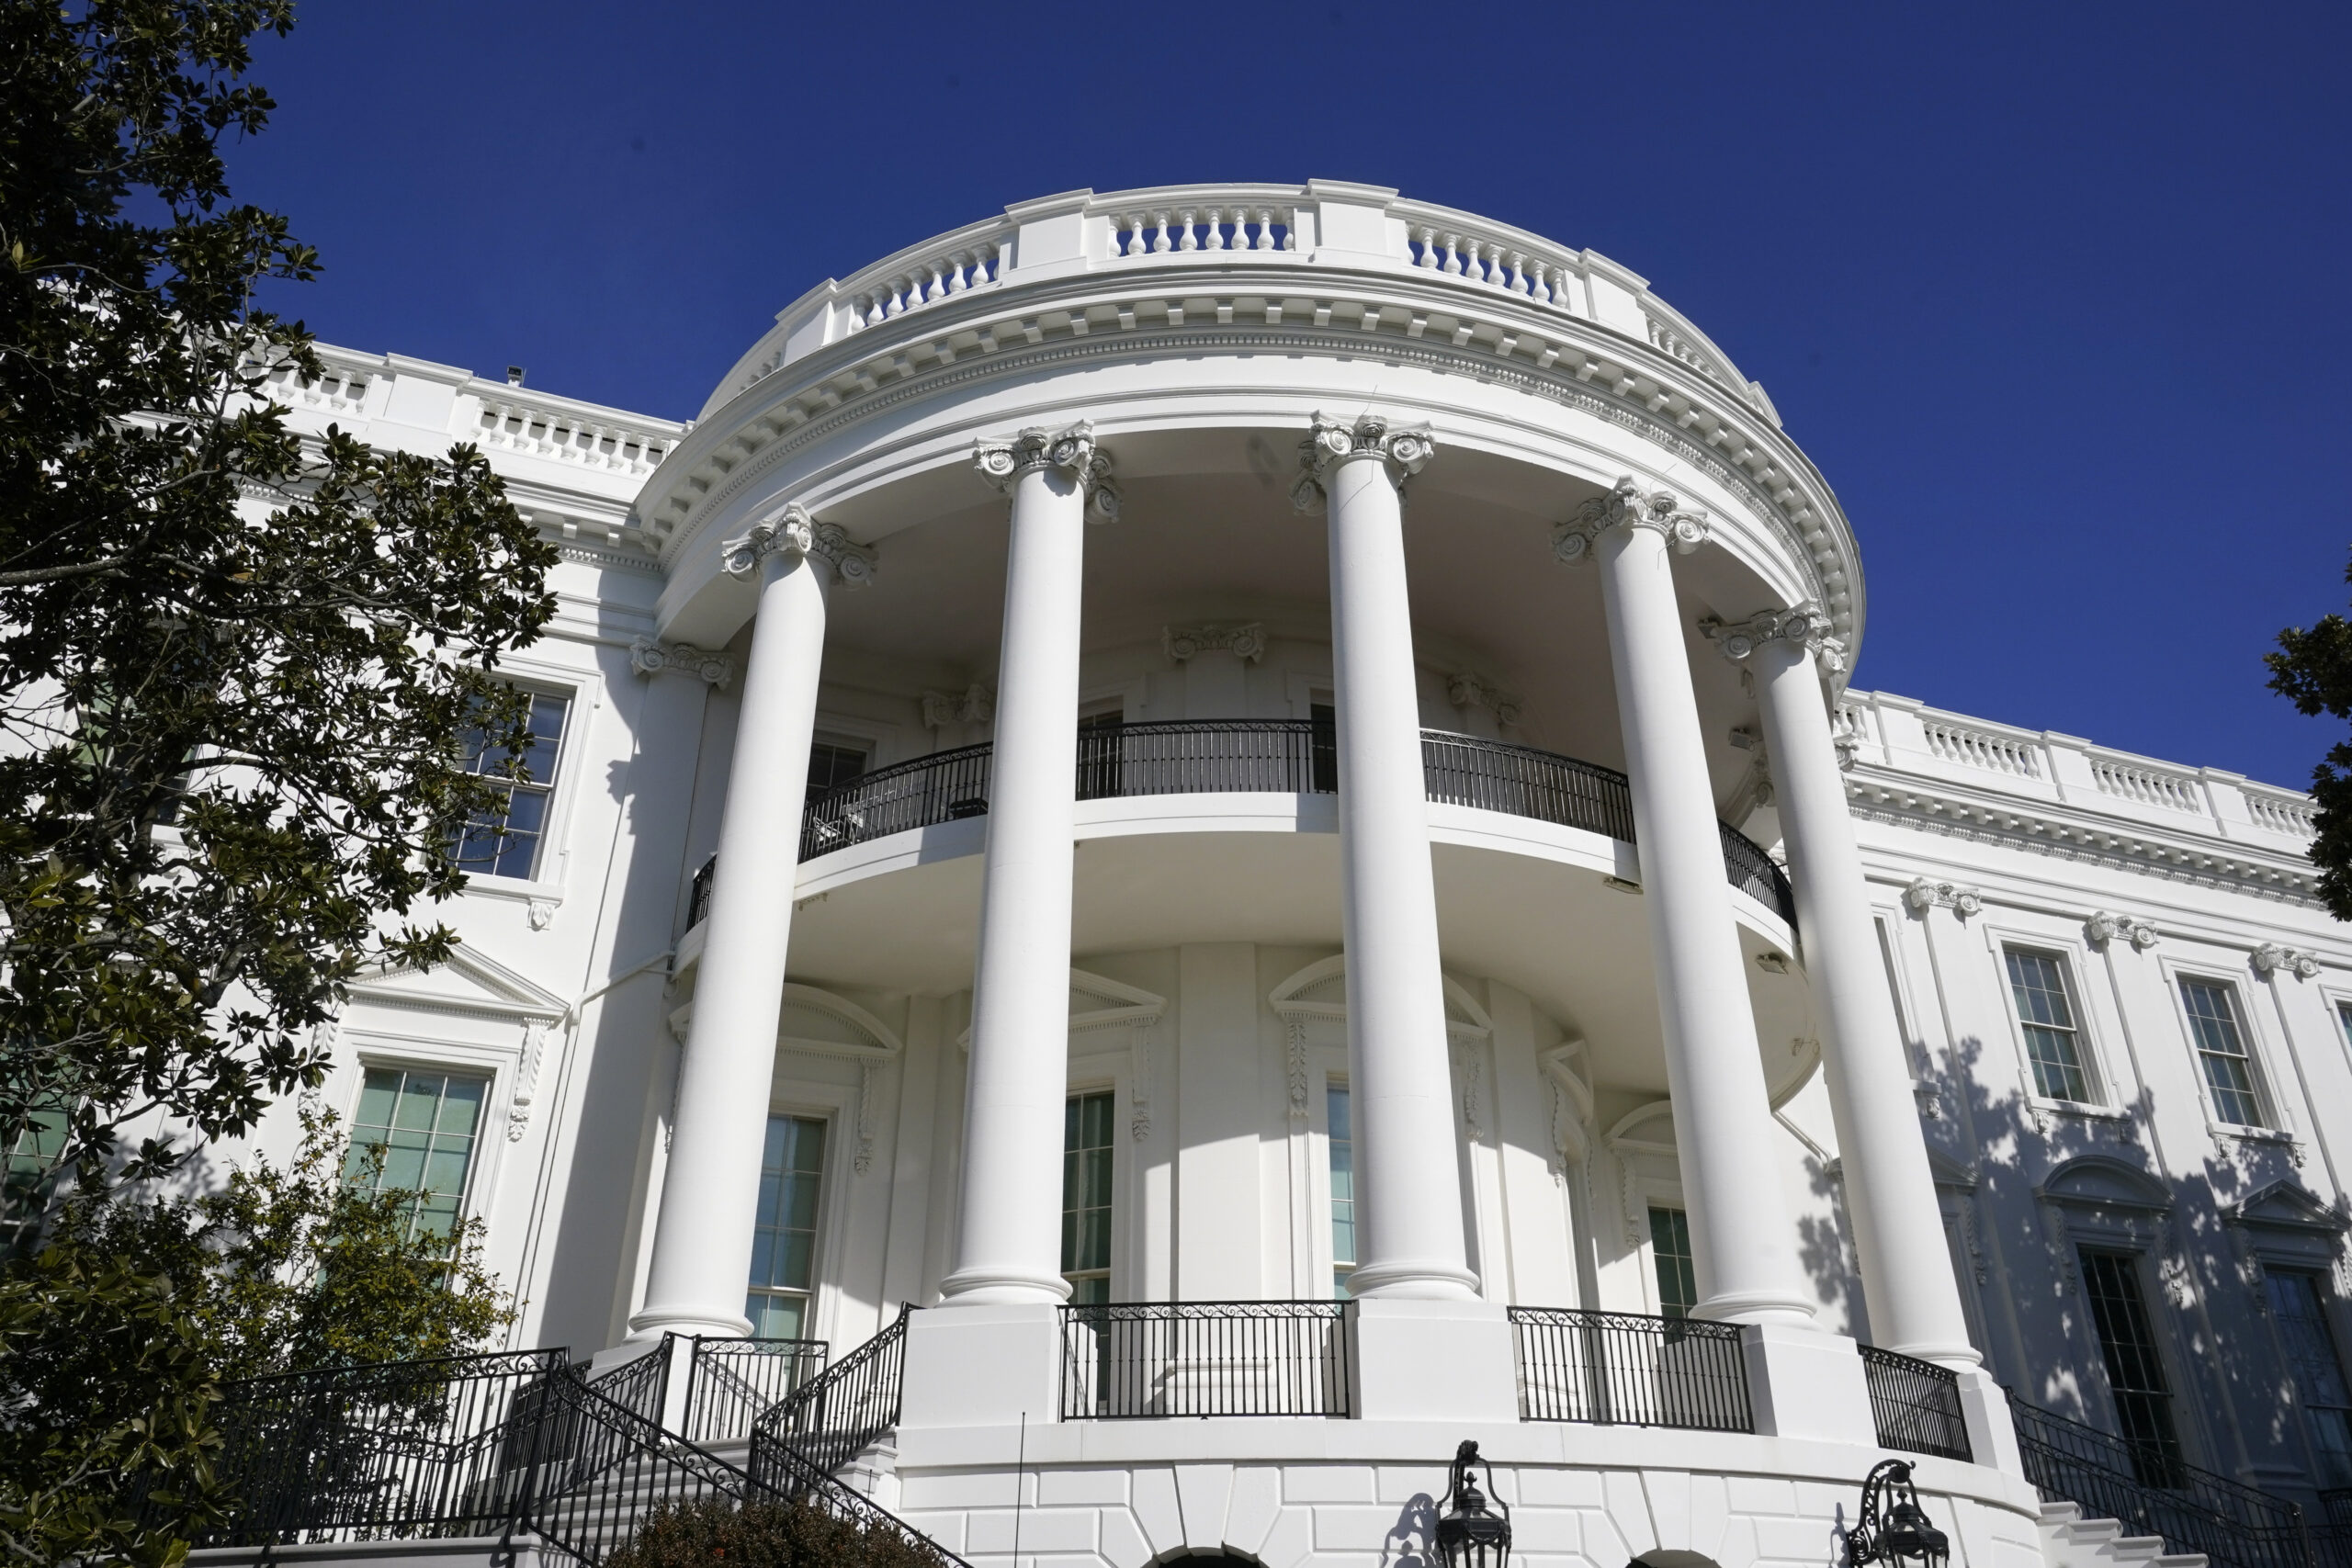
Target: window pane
{"x":2038,"y":984}
{"x":2298,"y":1307}
{"x":784,"y":1228}
{"x":1677,"y":1280}
{"x":2221,"y":1049}
{"x":2134,"y":1370}
{"x":504,"y":841}
{"x":1086,"y":1193}
{"x":425,"y":1124}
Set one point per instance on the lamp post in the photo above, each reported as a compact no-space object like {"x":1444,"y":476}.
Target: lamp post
{"x":1893,"y":1530}
{"x":1467,"y":1535}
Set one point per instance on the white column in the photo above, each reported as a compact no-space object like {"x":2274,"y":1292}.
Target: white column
{"x":1744,"y":1244}
{"x":1409,"y":1233}
{"x":1890,"y":1193}
{"x":1008,"y":1232}
{"x":702,"y":1240}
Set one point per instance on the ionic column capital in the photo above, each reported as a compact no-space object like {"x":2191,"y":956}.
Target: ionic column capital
{"x":649,"y":657}
{"x":1628,"y":505}
{"x":1404,"y":449}
{"x":1247,"y":642}
{"x":793,"y":531}
{"x":1805,"y":626}
{"x":1072,"y":450}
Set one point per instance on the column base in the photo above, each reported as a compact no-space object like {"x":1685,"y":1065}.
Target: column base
{"x":1412,"y":1282}
{"x":686,"y":1322}
{"x":982,"y":1366}
{"x":1755,"y":1306}
{"x":1432,"y":1360}
{"x":1004,"y":1287}
{"x":1805,"y":1383}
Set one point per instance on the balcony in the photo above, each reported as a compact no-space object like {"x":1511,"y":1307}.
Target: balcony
{"x":1268,"y":756}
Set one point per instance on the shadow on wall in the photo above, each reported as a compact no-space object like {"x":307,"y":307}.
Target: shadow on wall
{"x":1411,"y":1541}
{"x":1825,"y":1250}
{"x":2041,"y":1187}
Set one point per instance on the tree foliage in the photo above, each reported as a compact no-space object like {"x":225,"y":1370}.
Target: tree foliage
{"x":244,"y":676}
{"x":765,"y":1535}
{"x":2313,"y":669}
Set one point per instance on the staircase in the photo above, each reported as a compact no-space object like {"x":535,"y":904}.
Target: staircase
{"x":2070,"y":1540}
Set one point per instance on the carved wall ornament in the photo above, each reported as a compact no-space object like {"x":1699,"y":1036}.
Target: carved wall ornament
{"x":2271,"y":959}
{"x":975,"y":704}
{"x":1406,"y":450}
{"x":1072,"y":450}
{"x":1295,"y":1061}
{"x":1467,"y":691}
{"x":2105,"y":927}
{"x":1627,"y":506}
{"x":1472,"y":1102}
{"x":1142,"y":1040}
{"x":540,"y":914}
{"x":1247,"y":643}
{"x":526,"y":1079}
{"x":869,"y":1082}
{"x":1923,"y":896}
{"x":649,"y":656}
{"x":793,"y":531}
{"x":1807,"y":625}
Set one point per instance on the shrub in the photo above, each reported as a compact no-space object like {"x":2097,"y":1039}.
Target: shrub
{"x":766,"y":1535}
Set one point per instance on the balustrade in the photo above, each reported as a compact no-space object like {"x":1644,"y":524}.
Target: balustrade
{"x":1982,"y":749}
{"x":1204,"y":1359}
{"x":2147,"y":786}
{"x":1916,"y":1404}
{"x":1629,"y":1370}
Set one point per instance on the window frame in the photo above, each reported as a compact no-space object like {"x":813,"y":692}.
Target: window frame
{"x":2322,"y":1275}
{"x":2277,"y":1126}
{"x":825,"y":1225}
{"x":583,"y":694}
{"x":495,"y":1067}
{"x":2093,"y":1023}
{"x":2071,"y":990}
{"x":1327,"y":1243}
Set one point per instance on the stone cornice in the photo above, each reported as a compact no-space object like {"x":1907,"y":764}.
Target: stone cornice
{"x":1880,"y":794}
{"x":1019,"y":329}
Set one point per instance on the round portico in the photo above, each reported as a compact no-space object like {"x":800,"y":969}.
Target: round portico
{"x":1129,"y":443}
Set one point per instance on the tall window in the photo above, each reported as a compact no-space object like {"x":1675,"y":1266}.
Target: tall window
{"x":1677,"y":1280}
{"x":1323,"y":748}
{"x":1086,"y":1196}
{"x":2127,"y":1341}
{"x":426,"y":1124}
{"x":28,"y":1178}
{"x":2299,"y":1308}
{"x":832,"y":763}
{"x":504,"y":841}
{"x":783,"y":1229}
{"x":1343,"y":1191}
{"x":2046,"y":1013}
{"x":2221,"y":1049}
{"x":2344,"y":1018}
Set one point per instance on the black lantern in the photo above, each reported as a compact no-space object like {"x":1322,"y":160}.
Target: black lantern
{"x":1893,"y":1530}
{"x":1467,"y":1535}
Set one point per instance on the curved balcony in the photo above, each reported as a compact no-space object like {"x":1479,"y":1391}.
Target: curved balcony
{"x":1274,"y":756}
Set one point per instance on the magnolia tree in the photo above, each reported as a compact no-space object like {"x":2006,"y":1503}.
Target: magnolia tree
{"x":247,"y":679}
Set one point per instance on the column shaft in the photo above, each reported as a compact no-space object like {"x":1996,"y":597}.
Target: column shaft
{"x":1400,"y":1087}
{"x":1744,"y":1244}
{"x":1008,"y":1247}
{"x":1890,"y":1191}
{"x":702,"y":1243}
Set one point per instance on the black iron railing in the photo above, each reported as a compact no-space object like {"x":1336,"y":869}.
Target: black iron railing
{"x":483,"y":1446}
{"x":2153,"y":1493}
{"x":1916,"y":1404}
{"x":698,"y":893}
{"x":729,"y":1382}
{"x":1629,"y":1370}
{"x":406,"y":1449}
{"x":1205,"y":1358}
{"x":1278,"y":756}
{"x":826,"y":1422}
{"x":641,"y":1386}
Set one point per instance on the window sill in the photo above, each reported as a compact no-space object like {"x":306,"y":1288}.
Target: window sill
{"x":481,"y":884}
{"x":2083,"y":1109}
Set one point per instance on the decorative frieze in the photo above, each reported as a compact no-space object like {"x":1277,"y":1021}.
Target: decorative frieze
{"x":1072,"y":450}
{"x":975,"y":703}
{"x":2105,"y":928}
{"x":649,"y":657}
{"x":2270,"y":959}
{"x":1247,"y":643}
{"x":1405,"y":448}
{"x":1805,"y":625}
{"x":1923,"y":896}
{"x":1468,"y":691}
{"x":1628,"y":505}
{"x":794,"y":532}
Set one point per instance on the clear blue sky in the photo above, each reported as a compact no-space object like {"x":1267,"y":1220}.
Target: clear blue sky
{"x":2054,"y":294}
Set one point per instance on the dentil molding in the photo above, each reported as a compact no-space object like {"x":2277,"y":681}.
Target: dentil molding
{"x":1627,"y":506}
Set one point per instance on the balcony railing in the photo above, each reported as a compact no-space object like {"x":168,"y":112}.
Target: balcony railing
{"x":1629,"y":1370}
{"x":1274,"y":756}
{"x":1916,"y":1404}
{"x":1122,"y":1361}
{"x":828,"y":1419}
{"x":2152,"y":1492}
{"x":731,"y":1380}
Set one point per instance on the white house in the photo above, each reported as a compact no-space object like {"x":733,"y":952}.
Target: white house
{"x":1280,"y":744}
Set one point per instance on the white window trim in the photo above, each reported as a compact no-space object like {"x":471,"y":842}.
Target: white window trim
{"x":834,"y":1105}
{"x":1326,"y":1065}
{"x":1302,"y":688}
{"x":2280,"y":1128}
{"x":583,"y":694}
{"x":2090,"y":1025}
{"x":1096,"y":1071}
{"x":490,"y":1063}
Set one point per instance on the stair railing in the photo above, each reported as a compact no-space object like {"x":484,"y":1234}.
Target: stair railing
{"x":2153,"y":1493}
{"x":821,"y":1425}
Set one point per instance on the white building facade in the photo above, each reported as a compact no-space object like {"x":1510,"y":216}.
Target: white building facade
{"x":1280,"y":744}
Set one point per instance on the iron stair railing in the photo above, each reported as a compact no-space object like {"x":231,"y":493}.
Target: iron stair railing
{"x":820,"y":1427}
